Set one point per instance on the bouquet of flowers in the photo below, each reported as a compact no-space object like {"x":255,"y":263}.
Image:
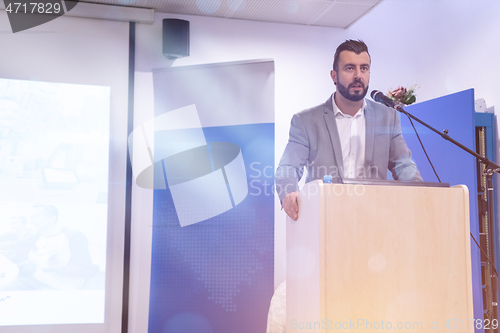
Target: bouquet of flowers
{"x":403,"y":96}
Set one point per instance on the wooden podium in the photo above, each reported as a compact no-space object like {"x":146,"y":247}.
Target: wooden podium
{"x":362,"y":258}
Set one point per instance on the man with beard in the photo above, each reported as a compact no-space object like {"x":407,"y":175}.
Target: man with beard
{"x":346,"y":137}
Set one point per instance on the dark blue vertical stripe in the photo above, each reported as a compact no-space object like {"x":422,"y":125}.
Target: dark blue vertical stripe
{"x":128,"y":187}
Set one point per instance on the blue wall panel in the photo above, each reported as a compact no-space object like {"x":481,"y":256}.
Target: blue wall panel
{"x":455,"y":113}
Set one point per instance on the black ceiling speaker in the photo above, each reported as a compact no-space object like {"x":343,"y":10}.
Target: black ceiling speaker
{"x":175,"y":38}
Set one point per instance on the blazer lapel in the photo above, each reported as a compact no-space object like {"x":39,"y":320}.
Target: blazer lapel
{"x":331,"y":125}
{"x":369,"y":134}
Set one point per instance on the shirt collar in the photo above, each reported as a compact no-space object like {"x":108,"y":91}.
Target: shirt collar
{"x":338,"y":113}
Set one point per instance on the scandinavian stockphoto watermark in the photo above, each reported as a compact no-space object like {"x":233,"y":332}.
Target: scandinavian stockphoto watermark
{"x":261,"y":181}
{"x":205,"y":179}
{"x":24,"y":14}
{"x":327,"y":324}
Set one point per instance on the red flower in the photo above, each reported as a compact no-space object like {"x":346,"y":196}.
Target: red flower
{"x":399,"y":93}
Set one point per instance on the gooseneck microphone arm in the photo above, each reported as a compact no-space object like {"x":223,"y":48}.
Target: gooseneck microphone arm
{"x":490,"y":167}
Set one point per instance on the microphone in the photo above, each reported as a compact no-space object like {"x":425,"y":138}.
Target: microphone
{"x":379,"y":96}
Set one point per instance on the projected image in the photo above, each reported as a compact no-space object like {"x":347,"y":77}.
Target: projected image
{"x":54,"y":145}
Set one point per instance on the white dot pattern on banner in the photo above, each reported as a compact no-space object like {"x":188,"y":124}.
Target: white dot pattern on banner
{"x":223,"y":257}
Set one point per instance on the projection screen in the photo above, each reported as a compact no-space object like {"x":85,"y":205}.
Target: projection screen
{"x":63,"y":132}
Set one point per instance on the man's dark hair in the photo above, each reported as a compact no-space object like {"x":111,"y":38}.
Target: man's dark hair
{"x":356,"y":46}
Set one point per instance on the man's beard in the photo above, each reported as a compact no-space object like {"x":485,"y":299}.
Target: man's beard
{"x":344,"y":91}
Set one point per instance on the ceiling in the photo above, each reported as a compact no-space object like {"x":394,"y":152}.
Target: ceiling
{"x":329,"y":13}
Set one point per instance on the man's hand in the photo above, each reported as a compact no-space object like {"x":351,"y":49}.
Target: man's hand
{"x":291,"y":206}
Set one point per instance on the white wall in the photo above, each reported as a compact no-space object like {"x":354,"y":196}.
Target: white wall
{"x":445,"y":46}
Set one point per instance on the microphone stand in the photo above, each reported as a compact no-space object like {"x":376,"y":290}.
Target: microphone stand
{"x":490,"y":168}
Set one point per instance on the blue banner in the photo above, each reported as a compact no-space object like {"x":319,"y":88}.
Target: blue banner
{"x":213,"y":211}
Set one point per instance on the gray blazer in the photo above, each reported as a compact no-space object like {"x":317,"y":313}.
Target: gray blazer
{"x":314,"y":143}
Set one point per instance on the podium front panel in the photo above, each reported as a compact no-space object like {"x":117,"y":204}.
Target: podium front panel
{"x":364,"y":258}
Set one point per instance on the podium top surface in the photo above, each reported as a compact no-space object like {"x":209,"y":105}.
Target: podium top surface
{"x":391,"y":182}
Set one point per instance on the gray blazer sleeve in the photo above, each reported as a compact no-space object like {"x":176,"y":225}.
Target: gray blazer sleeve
{"x":295,"y":156}
{"x":400,"y":164}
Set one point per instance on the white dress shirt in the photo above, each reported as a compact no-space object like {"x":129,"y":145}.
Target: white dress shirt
{"x":352,"y":140}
